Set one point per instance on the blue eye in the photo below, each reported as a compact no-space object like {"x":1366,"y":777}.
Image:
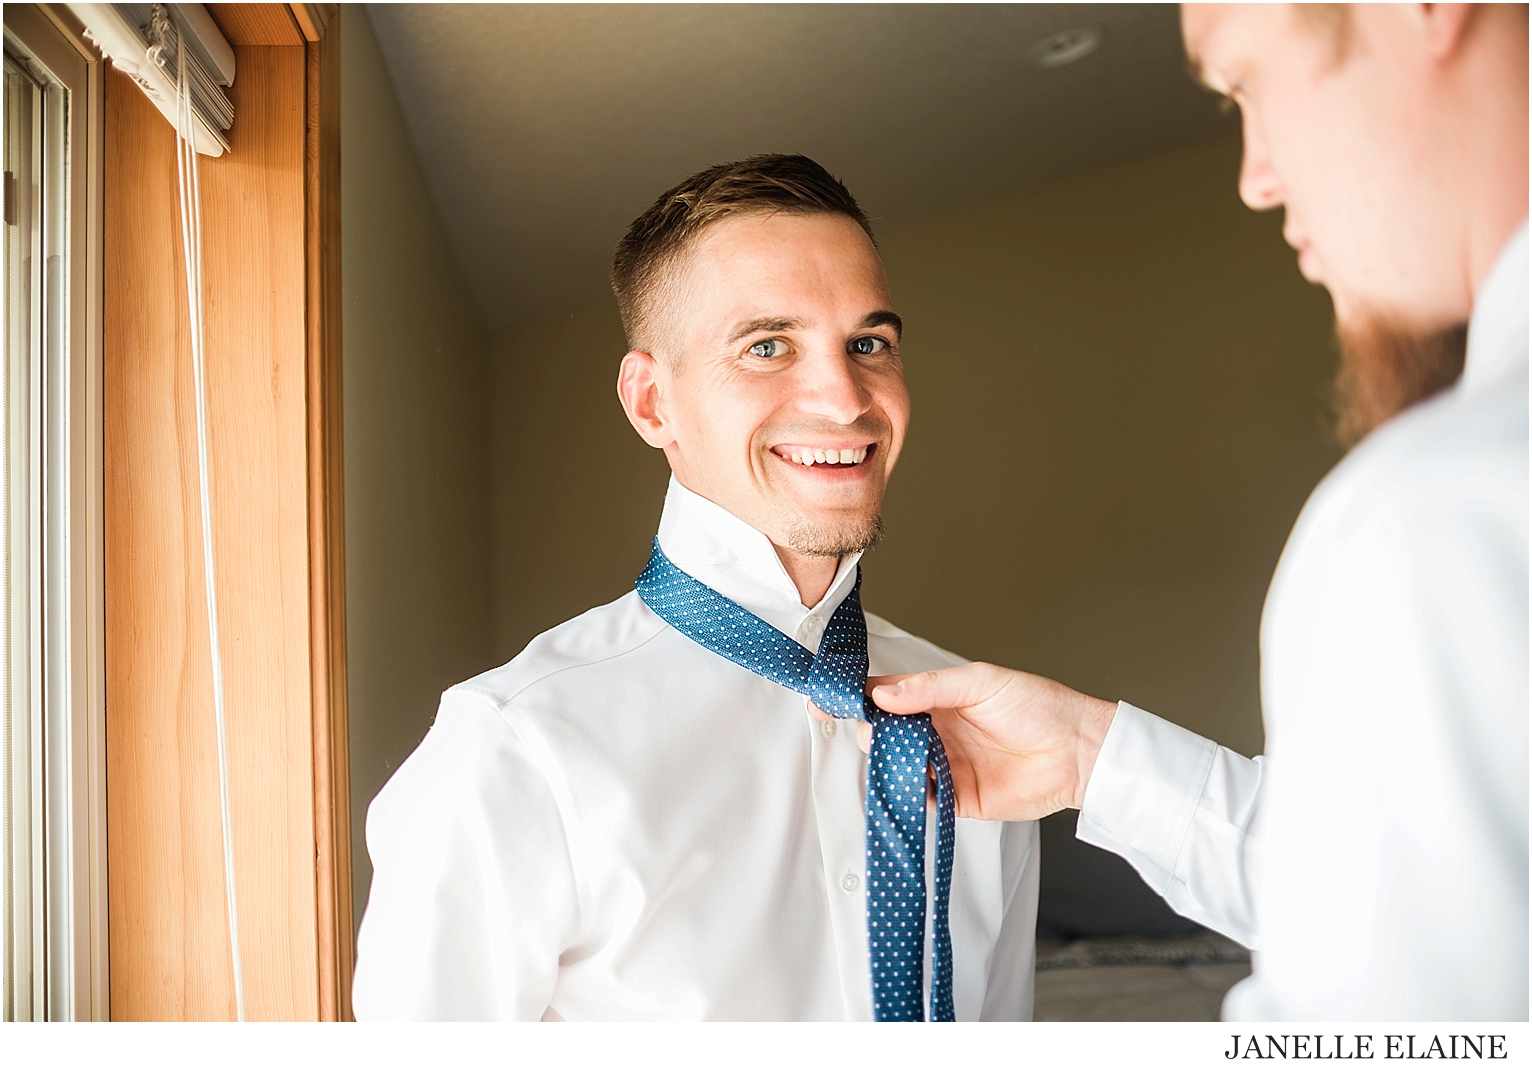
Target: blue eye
{"x":768,"y":349}
{"x":867,"y":346}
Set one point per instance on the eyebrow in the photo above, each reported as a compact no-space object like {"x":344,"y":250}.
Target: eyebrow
{"x":768,"y":324}
{"x":1195,"y":71}
{"x":771,"y":324}
{"x":883,"y":318}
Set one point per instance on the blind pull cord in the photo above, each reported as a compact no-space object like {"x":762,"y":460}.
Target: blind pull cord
{"x":191,"y":245}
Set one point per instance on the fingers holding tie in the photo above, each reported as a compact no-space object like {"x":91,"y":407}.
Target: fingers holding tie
{"x":1020,"y":746}
{"x":863,"y":728}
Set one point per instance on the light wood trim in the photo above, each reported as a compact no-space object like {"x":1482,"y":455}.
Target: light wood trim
{"x":327,"y":540}
{"x":313,"y":19}
{"x":257,"y":24}
{"x":273,"y":458}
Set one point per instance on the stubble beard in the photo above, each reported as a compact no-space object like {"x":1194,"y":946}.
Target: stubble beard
{"x":1387,"y":366}
{"x":854,"y":535}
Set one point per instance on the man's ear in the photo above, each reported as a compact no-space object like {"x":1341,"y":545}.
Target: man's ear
{"x":641,"y":383}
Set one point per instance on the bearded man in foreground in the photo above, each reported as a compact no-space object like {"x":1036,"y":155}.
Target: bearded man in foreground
{"x":1375,"y":858}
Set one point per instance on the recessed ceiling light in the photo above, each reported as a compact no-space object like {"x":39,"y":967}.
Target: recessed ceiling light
{"x":1064,"y":48}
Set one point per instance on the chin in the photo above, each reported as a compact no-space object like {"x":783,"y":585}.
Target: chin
{"x":833,"y":534}
{"x":1387,"y":365}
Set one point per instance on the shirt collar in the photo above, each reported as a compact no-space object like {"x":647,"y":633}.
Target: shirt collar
{"x":727,"y":554}
{"x":1497,"y":333}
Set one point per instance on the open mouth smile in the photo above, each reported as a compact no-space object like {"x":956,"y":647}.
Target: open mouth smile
{"x":809,"y":455}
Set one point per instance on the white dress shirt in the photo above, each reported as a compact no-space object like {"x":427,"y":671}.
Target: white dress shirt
{"x":621,"y":825}
{"x":1375,"y":858}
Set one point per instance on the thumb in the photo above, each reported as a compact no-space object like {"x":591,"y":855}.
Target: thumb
{"x":896,"y":693}
{"x":924,"y":691}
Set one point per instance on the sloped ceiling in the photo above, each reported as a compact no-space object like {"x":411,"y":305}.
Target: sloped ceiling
{"x":544,"y":129}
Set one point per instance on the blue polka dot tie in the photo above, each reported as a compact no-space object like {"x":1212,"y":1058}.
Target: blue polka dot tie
{"x":902,"y":749}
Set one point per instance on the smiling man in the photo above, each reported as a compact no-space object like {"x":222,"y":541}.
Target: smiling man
{"x":638,"y":817}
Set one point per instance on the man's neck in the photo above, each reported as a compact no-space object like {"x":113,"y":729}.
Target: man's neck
{"x":812,"y":575}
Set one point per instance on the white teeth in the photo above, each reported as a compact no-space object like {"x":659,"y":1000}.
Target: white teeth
{"x":810,"y":457}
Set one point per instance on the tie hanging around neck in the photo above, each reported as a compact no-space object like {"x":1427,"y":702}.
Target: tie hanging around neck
{"x":903,"y":747}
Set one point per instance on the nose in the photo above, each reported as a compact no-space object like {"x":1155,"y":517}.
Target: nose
{"x":1260,"y":187}
{"x":831,"y":388}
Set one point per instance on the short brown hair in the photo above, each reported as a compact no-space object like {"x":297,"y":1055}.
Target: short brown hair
{"x":760,"y":185}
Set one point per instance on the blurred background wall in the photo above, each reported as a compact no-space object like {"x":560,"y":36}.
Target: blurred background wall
{"x":419,"y":615}
{"x":1119,"y":378}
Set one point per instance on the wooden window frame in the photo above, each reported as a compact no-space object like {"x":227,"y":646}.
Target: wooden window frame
{"x":271,"y":233}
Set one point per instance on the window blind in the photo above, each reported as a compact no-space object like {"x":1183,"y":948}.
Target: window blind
{"x":141,"y":41}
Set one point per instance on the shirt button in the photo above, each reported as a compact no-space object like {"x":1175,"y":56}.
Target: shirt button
{"x":850,"y":882}
{"x":828,"y":728}
{"x":811,"y":625}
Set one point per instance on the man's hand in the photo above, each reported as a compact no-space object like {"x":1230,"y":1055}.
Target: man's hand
{"x":1020,"y":746}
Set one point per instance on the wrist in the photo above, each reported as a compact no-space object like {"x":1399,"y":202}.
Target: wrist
{"x":1095,"y":720}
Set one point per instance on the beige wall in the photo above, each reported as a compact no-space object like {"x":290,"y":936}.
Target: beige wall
{"x":1119,"y":384}
{"x":419,"y":610}
{"x":577,"y":494}
{"x":1119,"y":388}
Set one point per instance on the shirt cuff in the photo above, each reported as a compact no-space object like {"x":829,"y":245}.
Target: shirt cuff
{"x":1143,"y":792}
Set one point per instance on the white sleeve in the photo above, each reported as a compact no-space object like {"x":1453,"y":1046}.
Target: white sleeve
{"x":1394,"y":683}
{"x":1184,"y":812}
{"x":473,"y":894}
{"x":1008,"y":994}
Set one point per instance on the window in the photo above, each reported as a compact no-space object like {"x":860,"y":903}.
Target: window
{"x":25,"y":290}
{"x":52,"y":902}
